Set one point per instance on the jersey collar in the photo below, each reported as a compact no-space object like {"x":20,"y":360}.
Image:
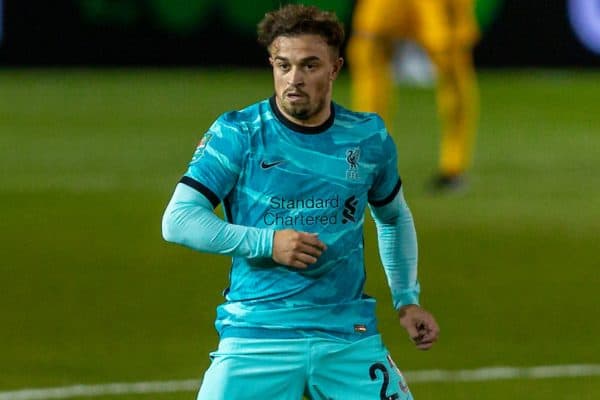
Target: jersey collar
{"x":301,"y":128}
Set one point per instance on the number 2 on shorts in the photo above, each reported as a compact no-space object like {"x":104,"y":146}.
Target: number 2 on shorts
{"x":386,"y":381}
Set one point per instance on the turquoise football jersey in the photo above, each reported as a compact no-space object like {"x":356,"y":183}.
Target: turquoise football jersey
{"x":271,"y":173}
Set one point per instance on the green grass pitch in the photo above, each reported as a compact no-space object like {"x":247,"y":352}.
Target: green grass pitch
{"x":90,"y":293}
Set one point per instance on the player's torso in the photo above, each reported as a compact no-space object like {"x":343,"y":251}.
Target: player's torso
{"x":311,"y":182}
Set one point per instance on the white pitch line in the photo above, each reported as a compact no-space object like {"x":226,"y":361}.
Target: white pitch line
{"x":498,"y":373}
{"x":192,"y":385}
{"x":66,"y":392}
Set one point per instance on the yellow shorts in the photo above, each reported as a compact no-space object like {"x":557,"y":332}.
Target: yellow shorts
{"x":436,"y":25}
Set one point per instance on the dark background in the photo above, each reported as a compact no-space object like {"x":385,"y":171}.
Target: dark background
{"x":128,"y":32}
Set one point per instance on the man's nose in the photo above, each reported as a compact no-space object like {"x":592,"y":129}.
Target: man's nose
{"x":295,"y":77}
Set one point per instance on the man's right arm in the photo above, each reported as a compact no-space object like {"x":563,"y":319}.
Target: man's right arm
{"x":189,"y":220}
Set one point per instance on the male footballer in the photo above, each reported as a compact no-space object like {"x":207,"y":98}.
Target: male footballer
{"x":295,"y":174}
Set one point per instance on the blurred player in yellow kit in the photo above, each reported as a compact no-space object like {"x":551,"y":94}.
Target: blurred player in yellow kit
{"x":447,"y":31}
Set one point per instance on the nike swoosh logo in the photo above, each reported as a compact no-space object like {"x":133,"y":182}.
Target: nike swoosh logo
{"x":267,"y":165}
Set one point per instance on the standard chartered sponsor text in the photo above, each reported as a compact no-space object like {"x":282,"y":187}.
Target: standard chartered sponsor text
{"x":306,"y":212}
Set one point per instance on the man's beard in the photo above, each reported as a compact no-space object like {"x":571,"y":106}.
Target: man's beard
{"x":302,"y":112}
{"x":299,"y":112}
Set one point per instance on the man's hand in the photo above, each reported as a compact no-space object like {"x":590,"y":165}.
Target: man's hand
{"x":296,"y":249}
{"x":420,"y":325}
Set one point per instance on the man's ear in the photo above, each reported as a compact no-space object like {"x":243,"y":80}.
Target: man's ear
{"x":337,"y":67}
{"x":271,"y":61}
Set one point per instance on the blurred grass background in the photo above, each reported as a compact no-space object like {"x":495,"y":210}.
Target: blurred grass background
{"x":91,"y":294}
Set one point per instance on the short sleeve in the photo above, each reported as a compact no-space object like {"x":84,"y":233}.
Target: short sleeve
{"x":387,"y":182}
{"x":217,"y":161}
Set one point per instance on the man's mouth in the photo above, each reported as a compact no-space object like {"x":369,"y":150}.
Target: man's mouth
{"x":294,"y":95}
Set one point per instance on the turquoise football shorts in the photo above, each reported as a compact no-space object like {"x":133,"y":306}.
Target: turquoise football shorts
{"x":287,"y":369}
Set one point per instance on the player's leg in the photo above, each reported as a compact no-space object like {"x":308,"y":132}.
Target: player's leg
{"x":463,"y":112}
{"x":459,"y":106}
{"x":250,"y":369}
{"x":361,"y":370}
{"x":448,"y":31}
{"x":370,"y":49}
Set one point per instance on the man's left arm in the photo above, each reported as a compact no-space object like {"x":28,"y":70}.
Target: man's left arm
{"x":398,"y":250}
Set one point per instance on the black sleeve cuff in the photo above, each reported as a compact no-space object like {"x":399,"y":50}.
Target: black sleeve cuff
{"x":214,"y":200}
{"x":389,"y":198}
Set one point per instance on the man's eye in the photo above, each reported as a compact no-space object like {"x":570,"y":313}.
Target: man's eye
{"x":284,"y":67}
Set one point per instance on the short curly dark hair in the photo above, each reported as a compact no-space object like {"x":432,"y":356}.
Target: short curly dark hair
{"x":298,"y":19}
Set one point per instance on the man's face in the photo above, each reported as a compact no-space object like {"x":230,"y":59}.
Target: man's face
{"x":304,"y":68}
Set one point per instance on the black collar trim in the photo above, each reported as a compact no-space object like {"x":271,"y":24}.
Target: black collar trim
{"x":301,"y":128}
